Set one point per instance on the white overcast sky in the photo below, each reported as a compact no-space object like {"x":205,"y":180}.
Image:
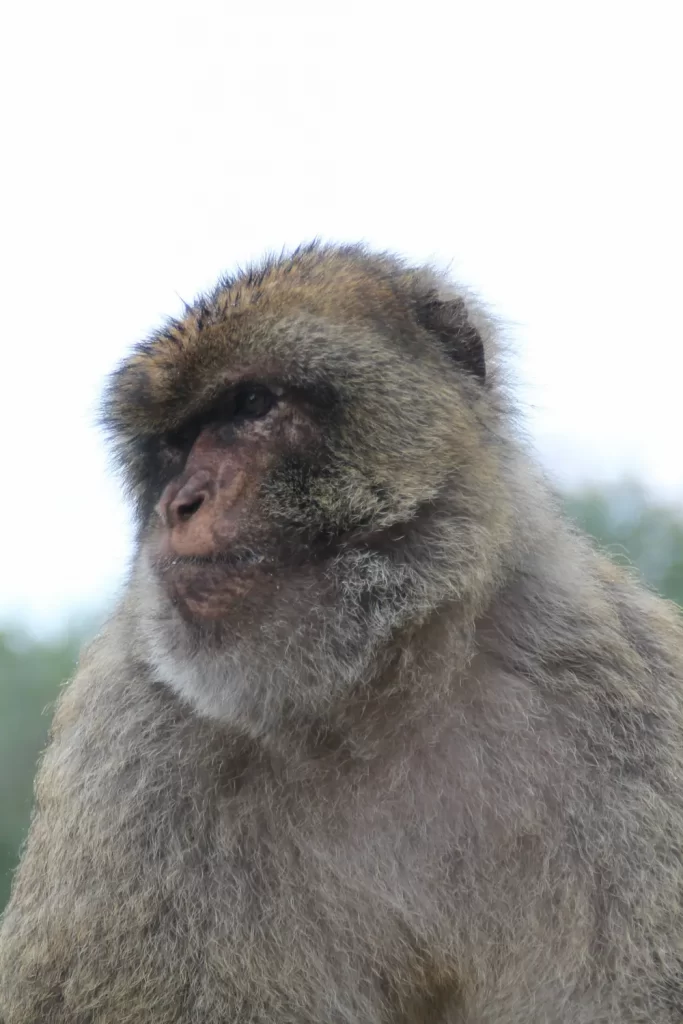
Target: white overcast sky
{"x":533,"y":147}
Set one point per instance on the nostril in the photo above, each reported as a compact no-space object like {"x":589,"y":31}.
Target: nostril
{"x":182,"y":499}
{"x":185,"y":510}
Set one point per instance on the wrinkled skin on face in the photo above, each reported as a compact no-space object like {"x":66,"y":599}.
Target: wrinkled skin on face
{"x":208,"y":540}
{"x":244,"y":502}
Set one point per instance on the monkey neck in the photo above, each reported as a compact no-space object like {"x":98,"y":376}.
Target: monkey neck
{"x":412,"y":678}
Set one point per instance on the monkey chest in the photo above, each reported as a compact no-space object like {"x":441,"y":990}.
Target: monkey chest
{"x":307,"y":926}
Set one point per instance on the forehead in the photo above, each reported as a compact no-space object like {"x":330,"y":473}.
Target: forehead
{"x":304,"y":321}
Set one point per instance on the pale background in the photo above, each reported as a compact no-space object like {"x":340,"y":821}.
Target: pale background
{"x":533,"y":147}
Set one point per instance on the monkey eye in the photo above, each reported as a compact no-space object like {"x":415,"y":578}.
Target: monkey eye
{"x":253,"y":401}
{"x":249,"y":402}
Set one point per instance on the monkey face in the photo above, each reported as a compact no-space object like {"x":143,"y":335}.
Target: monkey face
{"x":221,"y":527}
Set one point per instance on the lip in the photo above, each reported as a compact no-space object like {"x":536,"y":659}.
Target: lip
{"x":228,"y":560}
{"x":210,"y":588}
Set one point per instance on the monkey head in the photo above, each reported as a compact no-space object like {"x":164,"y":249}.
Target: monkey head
{"x":303,"y":449}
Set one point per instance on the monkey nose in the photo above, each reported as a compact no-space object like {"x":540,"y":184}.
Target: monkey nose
{"x":178,"y":505}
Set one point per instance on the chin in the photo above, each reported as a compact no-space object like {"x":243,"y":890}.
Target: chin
{"x":251,"y":647}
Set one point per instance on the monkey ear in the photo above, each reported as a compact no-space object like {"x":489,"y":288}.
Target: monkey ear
{"x":448,"y":318}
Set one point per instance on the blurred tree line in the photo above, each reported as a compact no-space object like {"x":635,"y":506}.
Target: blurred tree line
{"x":622,"y":518}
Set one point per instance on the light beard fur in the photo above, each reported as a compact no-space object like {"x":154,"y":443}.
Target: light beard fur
{"x":320,"y":636}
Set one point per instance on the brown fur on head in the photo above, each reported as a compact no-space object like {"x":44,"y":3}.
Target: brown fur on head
{"x":342,"y":328}
{"x":313,"y":517}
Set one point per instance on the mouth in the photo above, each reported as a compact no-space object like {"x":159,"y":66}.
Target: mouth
{"x":238,"y":559}
{"x":211,"y":587}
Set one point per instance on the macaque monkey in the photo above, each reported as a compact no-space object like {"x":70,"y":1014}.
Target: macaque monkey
{"x":375,"y":736}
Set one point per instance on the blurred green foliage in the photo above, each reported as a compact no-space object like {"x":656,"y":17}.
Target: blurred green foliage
{"x":635,"y":530}
{"x":622,"y":518}
{"x":31,"y":673}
